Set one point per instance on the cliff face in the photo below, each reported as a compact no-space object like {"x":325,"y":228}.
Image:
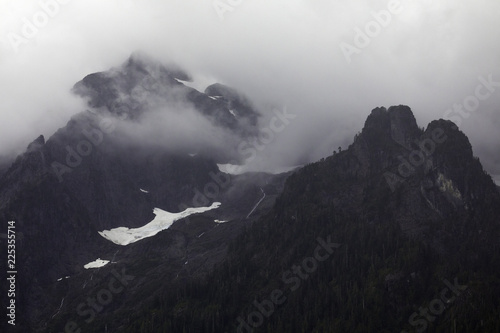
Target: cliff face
{"x":394,"y":187}
{"x":60,"y":199}
{"x":88,"y":178}
{"x":407,"y":209}
{"x":394,"y":171}
{"x":141,"y":85}
{"x":400,"y":213}
{"x":397,"y":124}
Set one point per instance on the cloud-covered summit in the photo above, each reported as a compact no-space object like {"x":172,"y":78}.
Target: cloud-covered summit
{"x":280,"y":54}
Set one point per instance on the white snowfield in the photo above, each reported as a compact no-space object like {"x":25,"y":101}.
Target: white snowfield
{"x":162,"y":221}
{"x":96,"y":264}
{"x":189,"y":84}
{"x":234,"y":169}
{"x":231,"y":169}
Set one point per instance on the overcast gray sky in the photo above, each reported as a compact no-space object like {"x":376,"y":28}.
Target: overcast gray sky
{"x":425,"y":54}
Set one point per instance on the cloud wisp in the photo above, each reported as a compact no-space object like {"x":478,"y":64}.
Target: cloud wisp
{"x":281,"y":53}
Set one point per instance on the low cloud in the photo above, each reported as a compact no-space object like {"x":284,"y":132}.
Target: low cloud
{"x":180,"y":129}
{"x":280,"y":53}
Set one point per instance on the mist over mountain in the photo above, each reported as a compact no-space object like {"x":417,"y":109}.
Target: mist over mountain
{"x":249,"y":166}
{"x":151,"y":186}
{"x":125,"y":161}
{"x":158,"y":110}
{"x":425,"y":56}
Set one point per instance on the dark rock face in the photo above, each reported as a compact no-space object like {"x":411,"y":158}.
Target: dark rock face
{"x":143,"y":89}
{"x":141,"y":84}
{"x":397,"y":123}
{"x":238,"y":104}
{"x":84,"y":179}
{"x":409,"y":207}
{"x":59,"y":215}
{"x":394,"y":171}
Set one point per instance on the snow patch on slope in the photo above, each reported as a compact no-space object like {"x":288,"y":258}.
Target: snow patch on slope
{"x":231,"y":169}
{"x":96,"y":264}
{"x":189,"y":84}
{"x":162,"y":221}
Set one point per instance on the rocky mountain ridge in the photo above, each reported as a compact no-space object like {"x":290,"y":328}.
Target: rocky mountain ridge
{"x":86,"y":178}
{"x":407,"y":207}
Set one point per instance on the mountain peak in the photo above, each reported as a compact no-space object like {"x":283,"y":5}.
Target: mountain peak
{"x":148,"y":65}
{"x":403,"y":125}
{"x":37,"y":143}
{"x":396,"y":123}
